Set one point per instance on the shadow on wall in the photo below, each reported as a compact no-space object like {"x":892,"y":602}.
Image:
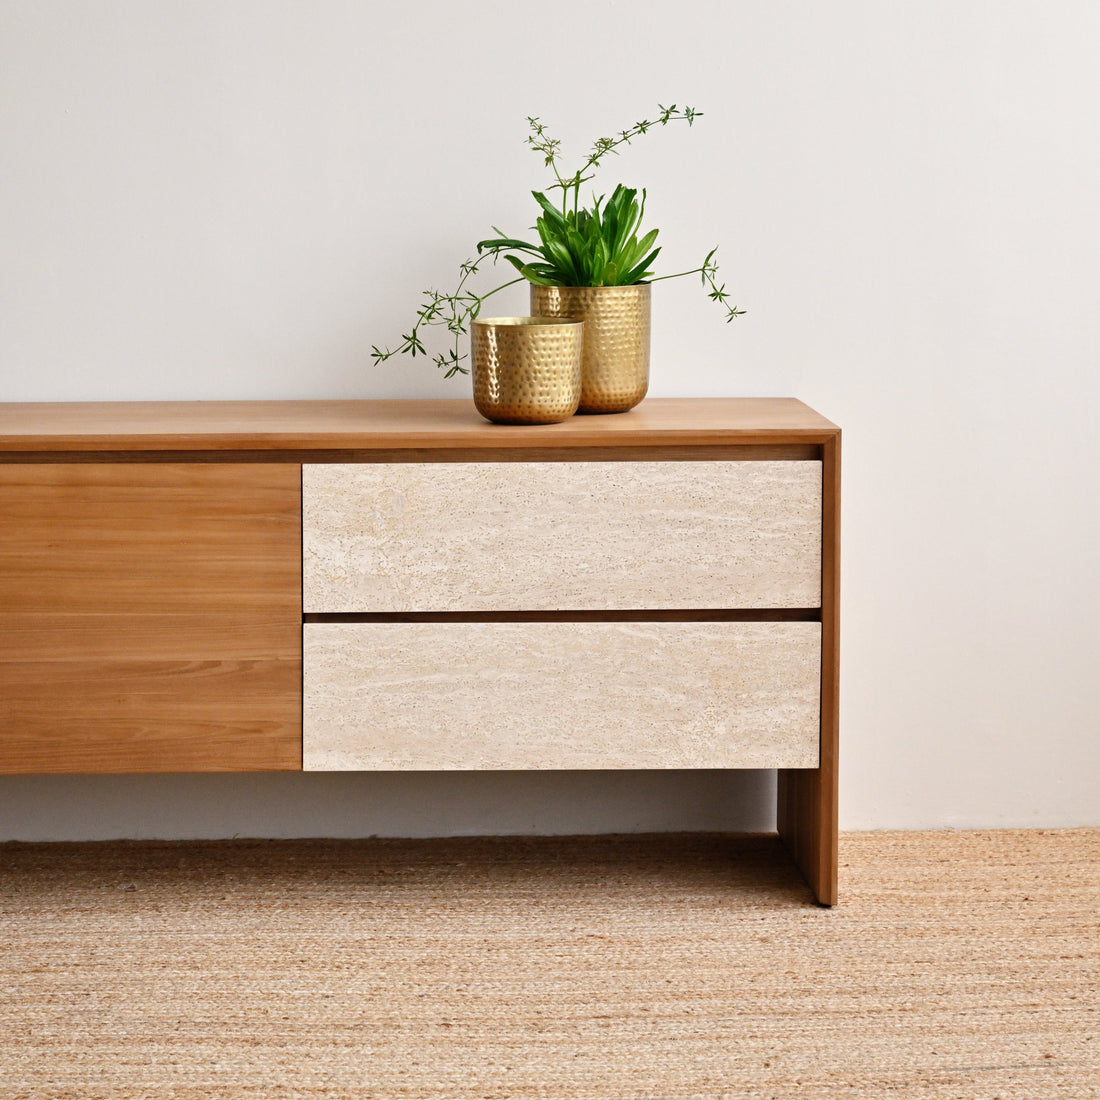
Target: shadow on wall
{"x":357,"y":804}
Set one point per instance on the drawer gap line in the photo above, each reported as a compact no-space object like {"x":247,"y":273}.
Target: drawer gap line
{"x":689,"y":615}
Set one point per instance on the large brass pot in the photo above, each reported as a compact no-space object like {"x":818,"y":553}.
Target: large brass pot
{"x":615,"y":374}
{"x":527,"y":370}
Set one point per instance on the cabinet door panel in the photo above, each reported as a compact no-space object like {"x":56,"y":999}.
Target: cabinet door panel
{"x":151,"y":617}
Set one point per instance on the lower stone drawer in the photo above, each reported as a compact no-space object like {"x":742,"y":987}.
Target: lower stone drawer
{"x":384,"y":696}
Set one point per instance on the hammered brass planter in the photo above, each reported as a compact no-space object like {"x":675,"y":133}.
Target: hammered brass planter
{"x":527,"y":370}
{"x":616,"y":340}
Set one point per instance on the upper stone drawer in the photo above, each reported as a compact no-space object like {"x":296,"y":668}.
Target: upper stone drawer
{"x":561,"y":536}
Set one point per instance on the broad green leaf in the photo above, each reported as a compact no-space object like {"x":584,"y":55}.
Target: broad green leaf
{"x":635,"y":250}
{"x":611,"y":228}
{"x":559,"y":255}
{"x":636,"y":274}
{"x":506,"y":242}
{"x":552,"y":212}
{"x":546,"y":271}
{"x":533,"y":276}
{"x":646,"y":242}
{"x":544,"y":231}
{"x":599,"y":262}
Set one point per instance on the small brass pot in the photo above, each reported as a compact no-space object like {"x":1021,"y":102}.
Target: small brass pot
{"x":527,"y":370}
{"x":616,"y":340}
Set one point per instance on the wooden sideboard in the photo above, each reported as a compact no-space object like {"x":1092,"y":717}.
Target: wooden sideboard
{"x":385,"y":585}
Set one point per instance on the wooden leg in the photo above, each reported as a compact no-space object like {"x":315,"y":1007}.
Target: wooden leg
{"x":807,"y":824}
{"x":807,"y":815}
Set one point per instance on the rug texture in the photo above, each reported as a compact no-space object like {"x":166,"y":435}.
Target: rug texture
{"x":961,"y":965}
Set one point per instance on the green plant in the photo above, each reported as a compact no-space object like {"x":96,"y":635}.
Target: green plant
{"x":578,"y":246}
{"x":586,"y":247}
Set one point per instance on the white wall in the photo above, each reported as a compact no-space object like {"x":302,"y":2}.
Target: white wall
{"x":227,"y":199}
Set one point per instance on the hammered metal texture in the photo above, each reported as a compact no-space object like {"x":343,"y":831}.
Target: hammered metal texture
{"x":616,"y":340}
{"x":527,"y":370}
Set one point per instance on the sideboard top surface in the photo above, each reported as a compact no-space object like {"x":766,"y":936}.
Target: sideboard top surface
{"x":412,"y":424}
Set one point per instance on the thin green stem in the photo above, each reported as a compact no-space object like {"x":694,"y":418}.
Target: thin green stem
{"x":678,"y":275}
{"x":513,"y":282}
{"x":567,"y":254}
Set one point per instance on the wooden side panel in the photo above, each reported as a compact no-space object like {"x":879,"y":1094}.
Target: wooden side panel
{"x":808,"y":799}
{"x":151,"y":617}
{"x":561,"y":536}
{"x":559,"y":695}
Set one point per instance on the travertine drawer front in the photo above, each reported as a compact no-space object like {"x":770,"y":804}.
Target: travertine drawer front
{"x":558,"y":695}
{"x":493,"y":536}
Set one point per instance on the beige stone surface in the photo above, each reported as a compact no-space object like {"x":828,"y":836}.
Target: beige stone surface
{"x":546,"y":695}
{"x":499,"y":536}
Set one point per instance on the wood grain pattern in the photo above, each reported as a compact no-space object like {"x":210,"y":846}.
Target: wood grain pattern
{"x":808,"y":814}
{"x":289,"y":426}
{"x":559,"y":695}
{"x":152,"y":618}
{"x":545,"y":536}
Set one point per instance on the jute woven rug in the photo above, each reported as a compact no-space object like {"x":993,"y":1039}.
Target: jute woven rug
{"x":962,"y":965}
